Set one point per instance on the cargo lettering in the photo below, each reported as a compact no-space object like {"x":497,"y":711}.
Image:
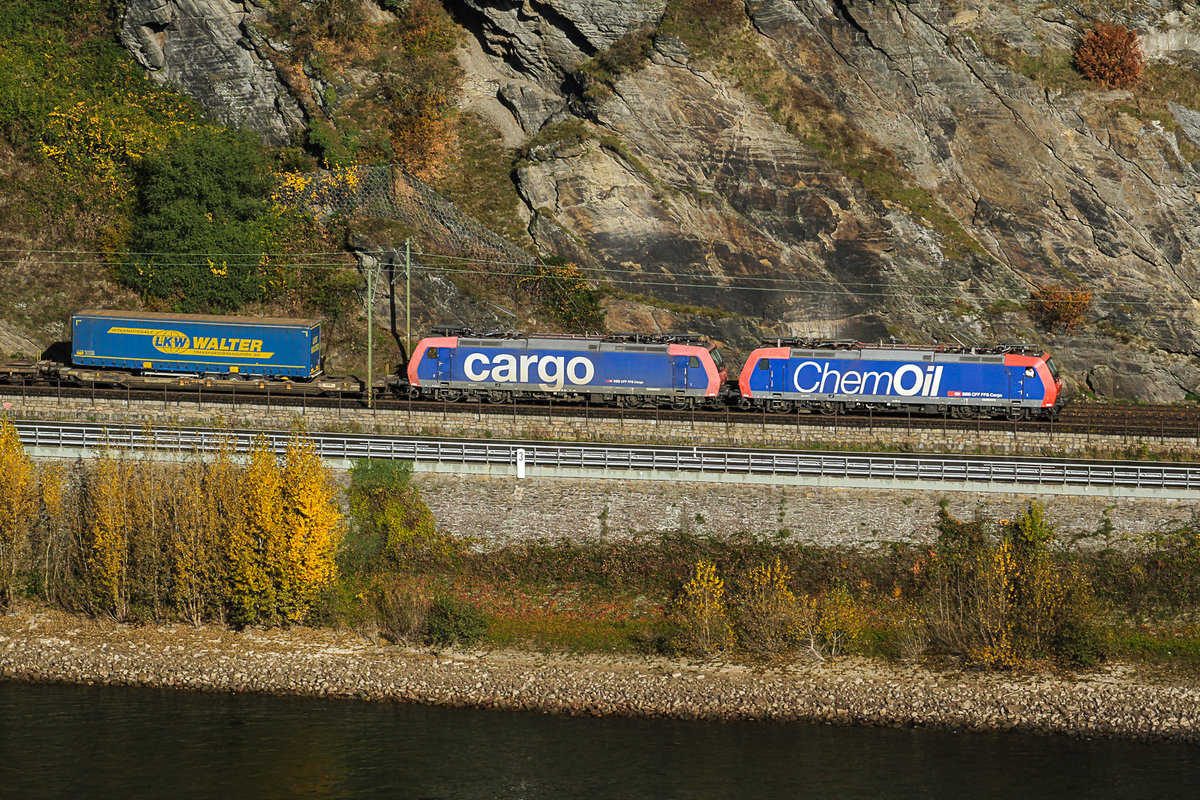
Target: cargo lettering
{"x":553,"y":372}
{"x":908,"y":380}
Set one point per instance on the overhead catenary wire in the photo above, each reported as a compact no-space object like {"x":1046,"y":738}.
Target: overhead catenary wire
{"x":617,"y":275}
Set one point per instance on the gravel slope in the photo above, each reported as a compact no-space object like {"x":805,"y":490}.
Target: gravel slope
{"x":51,"y":646}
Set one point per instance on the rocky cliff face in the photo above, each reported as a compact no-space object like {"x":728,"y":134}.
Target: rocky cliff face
{"x":751,"y":185}
{"x":212,"y":50}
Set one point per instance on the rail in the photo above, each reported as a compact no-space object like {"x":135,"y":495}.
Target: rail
{"x":630,"y":458}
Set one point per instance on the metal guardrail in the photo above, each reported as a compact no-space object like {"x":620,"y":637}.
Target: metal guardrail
{"x":876,"y":466}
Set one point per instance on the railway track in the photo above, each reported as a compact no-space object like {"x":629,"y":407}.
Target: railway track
{"x":1115,"y":419}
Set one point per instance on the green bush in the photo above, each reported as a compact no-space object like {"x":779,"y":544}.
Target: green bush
{"x":1000,"y":595}
{"x":203,"y":231}
{"x":452,"y":622}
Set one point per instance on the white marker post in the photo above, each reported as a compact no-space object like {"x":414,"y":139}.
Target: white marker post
{"x":520,"y":463}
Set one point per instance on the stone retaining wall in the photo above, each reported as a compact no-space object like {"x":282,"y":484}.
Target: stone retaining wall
{"x":505,"y":510}
{"x":704,"y":429}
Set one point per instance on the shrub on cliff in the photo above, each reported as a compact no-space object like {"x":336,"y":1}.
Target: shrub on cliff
{"x":1111,"y":55}
{"x":1055,"y":307}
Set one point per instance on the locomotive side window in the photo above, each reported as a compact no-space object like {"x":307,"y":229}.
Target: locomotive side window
{"x":431,"y":352}
{"x":1053,"y":368}
{"x":693,"y":362}
{"x":764,"y":363}
{"x":716,"y":356}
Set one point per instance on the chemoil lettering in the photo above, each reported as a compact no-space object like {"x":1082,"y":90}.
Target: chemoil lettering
{"x":550,"y":373}
{"x":908,"y":380}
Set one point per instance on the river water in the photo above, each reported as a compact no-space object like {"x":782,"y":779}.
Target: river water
{"x":102,"y":742}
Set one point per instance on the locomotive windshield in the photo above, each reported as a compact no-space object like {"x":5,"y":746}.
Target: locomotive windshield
{"x":716,"y":356}
{"x":1053,"y":367}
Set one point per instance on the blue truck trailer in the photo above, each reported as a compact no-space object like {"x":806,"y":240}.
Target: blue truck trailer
{"x":196,"y":344}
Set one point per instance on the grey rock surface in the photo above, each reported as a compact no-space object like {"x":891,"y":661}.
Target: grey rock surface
{"x":688,"y":189}
{"x":212,"y":52}
{"x":689,"y":183}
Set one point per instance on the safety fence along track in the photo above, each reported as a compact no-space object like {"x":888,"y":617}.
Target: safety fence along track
{"x":634,"y":461}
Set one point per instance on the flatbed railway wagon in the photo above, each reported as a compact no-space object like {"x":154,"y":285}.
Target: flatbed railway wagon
{"x":1014,"y":381}
{"x":681,"y":371}
{"x":196,"y":345}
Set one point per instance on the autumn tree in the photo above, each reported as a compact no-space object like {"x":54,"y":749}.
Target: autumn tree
{"x":700,"y":613}
{"x":255,"y":541}
{"x":393,"y":525}
{"x":1111,"y":55}
{"x":195,"y":536}
{"x":1056,"y":307}
{"x":766,"y":614}
{"x":106,"y":526}
{"x":18,"y":507}
{"x":309,"y":531}
{"x":52,"y":543}
{"x":999,"y":595}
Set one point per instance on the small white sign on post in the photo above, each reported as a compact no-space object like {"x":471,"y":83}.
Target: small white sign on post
{"x":520,"y":462}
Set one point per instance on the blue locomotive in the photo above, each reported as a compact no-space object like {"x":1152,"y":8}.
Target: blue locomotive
{"x":1015,"y":381}
{"x":630,"y":370}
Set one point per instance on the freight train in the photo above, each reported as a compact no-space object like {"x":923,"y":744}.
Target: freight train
{"x":683,"y":371}
{"x":830,"y":377}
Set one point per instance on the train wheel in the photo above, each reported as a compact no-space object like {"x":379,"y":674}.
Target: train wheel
{"x":498,"y":396}
{"x":779,"y":406}
{"x":1016,"y":414}
{"x":681,"y":403}
{"x":962,"y":412}
{"x":829,"y":409}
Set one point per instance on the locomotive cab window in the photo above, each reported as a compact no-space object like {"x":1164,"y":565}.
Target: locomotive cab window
{"x":693,"y":362}
{"x":431,"y":352}
{"x":716,"y":356}
{"x":1053,"y":368}
{"x":764,"y":363}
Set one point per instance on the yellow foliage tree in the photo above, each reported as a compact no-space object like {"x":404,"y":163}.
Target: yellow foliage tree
{"x":18,"y":509}
{"x":766,"y":613}
{"x":255,"y":542}
{"x":107,"y":546}
{"x":196,"y":534}
{"x":52,"y":540}
{"x":700,"y":612}
{"x":310,"y":529}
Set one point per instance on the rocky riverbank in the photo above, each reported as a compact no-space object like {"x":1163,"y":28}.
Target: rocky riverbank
{"x":50,"y":646}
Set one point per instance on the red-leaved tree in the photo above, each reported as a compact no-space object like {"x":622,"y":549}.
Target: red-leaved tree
{"x":1111,"y":54}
